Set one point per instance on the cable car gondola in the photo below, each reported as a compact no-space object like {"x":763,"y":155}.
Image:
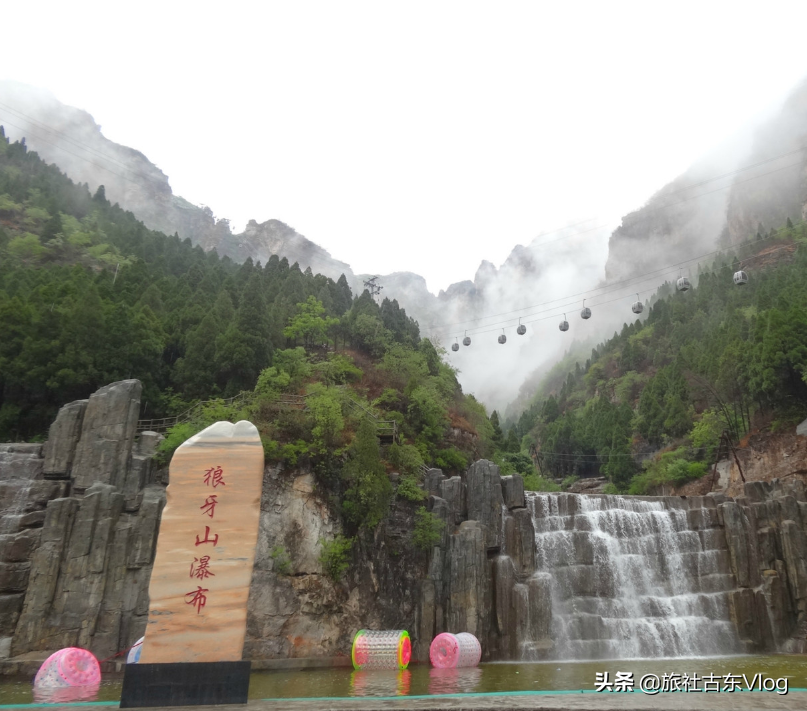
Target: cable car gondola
{"x":638,"y":306}
{"x":467,"y":340}
{"x":455,"y":346}
{"x":521,"y":330}
{"x":502,"y":338}
{"x":564,"y":325}
{"x":683,"y":284}
{"x":740,"y":278}
{"x":586,"y":312}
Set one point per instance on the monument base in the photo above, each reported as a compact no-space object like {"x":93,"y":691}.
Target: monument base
{"x":185,"y":684}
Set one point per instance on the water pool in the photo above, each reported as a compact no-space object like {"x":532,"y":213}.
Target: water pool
{"x":491,"y":677}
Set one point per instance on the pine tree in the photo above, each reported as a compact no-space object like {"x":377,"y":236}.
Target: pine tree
{"x":243,"y":350}
{"x":52,"y":227}
{"x":498,"y":438}
{"x":512,"y":444}
{"x":369,"y":490}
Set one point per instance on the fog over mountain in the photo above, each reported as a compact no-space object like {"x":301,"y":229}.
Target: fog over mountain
{"x":752,"y":182}
{"x":70,"y":138}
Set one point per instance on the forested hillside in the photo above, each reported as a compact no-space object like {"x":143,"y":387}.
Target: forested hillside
{"x":88,"y":295}
{"x":717,"y":358}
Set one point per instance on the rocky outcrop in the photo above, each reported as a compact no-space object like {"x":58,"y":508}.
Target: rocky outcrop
{"x":433,"y":479}
{"x":63,"y":437}
{"x":453,"y":492}
{"x":519,"y":535}
{"x":76,"y":552}
{"x":481,"y":571}
{"x":80,"y":518}
{"x":513,"y":491}
{"x":485,"y":500}
{"x":104,"y":450}
{"x":766,"y":534}
{"x":468,"y":580}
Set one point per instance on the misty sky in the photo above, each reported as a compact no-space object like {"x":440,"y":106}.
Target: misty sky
{"x":419,"y":136}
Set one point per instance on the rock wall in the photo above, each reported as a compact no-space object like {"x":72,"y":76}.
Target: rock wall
{"x":80,"y":518}
{"x":295,"y":610}
{"x":481,"y":573}
{"x":766,"y":533}
{"x":483,"y":577}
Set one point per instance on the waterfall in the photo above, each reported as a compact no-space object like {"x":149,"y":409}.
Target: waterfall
{"x":632,"y":577}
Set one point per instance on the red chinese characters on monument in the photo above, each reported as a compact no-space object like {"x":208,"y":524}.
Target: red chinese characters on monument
{"x":214,"y":477}
{"x":207,"y":538}
{"x":200,"y":568}
{"x":197,"y":598}
{"x":209,"y":506}
{"x":198,"y":594}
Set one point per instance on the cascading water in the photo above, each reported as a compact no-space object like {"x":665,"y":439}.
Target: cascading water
{"x":632,"y":577}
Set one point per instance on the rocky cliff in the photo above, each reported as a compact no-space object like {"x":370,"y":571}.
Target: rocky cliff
{"x":584,"y":577}
{"x":533,"y":576}
{"x":80,"y":518}
{"x":725,"y":198}
{"x":70,"y":138}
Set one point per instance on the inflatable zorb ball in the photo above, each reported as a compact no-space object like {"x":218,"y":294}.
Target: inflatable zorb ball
{"x":134,"y":653}
{"x":448,"y":651}
{"x":387,"y":649}
{"x":68,"y":667}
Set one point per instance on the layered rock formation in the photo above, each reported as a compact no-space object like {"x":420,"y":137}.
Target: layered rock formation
{"x":80,"y":518}
{"x":766,"y":535}
{"x":481,"y":574}
{"x":582,"y":577}
{"x":533,"y":576}
{"x":83,"y":519}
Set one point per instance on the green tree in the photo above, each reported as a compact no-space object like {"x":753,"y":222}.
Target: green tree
{"x":369,"y":490}
{"x":242,"y":351}
{"x":310,"y":324}
{"x":428,"y":529}
{"x":52,"y":228}
{"x":498,"y":437}
{"x":325,"y":407}
{"x":335,"y":556}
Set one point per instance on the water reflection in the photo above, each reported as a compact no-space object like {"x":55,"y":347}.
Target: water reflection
{"x":65,"y":694}
{"x":462,"y":680}
{"x":380,"y":683}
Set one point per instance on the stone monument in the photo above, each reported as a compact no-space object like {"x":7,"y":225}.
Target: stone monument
{"x":202,"y":570}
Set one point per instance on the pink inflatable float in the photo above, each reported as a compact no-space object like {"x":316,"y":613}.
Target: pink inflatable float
{"x":68,"y":667}
{"x":455,"y":650}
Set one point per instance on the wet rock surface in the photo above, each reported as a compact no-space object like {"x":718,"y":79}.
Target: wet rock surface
{"x":81,"y":517}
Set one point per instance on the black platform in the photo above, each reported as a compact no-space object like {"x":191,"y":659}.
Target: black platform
{"x":185,"y":684}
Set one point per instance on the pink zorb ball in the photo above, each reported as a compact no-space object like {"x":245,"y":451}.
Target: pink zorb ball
{"x":455,"y":650}
{"x":470,"y":650}
{"x":444,"y":651}
{"x":68,"y":667}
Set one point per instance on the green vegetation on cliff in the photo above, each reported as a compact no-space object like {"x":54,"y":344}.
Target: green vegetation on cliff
{"x":716,"y":358}
{"x":88,"y":296}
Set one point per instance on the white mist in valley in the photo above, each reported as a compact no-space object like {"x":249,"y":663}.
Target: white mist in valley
{"x":537,"y":283}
